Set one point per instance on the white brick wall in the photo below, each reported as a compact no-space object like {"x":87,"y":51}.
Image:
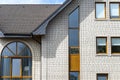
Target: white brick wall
{"x":89,"y":30}
{"x":55,"y":44}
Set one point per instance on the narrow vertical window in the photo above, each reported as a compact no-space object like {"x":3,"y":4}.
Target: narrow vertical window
{"x":74,"y":57}
{"x":101,"y":45}
{"x":115,"y":45}
{"x":102,"y":76}
{"x":100,"y":10}
{"x":114,"y":10}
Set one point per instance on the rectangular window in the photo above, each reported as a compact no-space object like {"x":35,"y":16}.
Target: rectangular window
{"x":74,"y":75}
{"x":115,"y":45}
{"x":114,"y":10}
{"x":101,"y":45}
{"x":16,"y":67}
{"x":74,"y":19}
{"x":100,"y":10}
{"x":102,"y":76}
{"x":73,"y":34}
{"x":73,"y":37}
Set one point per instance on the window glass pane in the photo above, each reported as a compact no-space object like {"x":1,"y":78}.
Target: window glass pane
{"x":115,"y":49}
{"x":115,"y":45}
{"x":115,"y":41}
{"x":12,"y":46}
{"x":114,"y":10}
{"x":73,"y":37}
{"x":101,"y":49}
{"x":100,"y":10}
{"x":26,"y":52}
{"x":26,"y":66}
{"x":5,"y":67}
{"x":102,"y":77}
{"x":101,"y":41}
{"x":16,"y":66}
{"x":74,"y":19}
{"x":74,"y":75}
{"x":20,"y":47}
{"x":73,"y":50}
{"x":7,"y":52}
{"x":101,"y":45}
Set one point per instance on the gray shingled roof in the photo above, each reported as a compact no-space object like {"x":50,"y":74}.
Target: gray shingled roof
{"x":23,"y":19}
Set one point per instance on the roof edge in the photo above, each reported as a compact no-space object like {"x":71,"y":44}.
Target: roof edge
{"x":41,"y":30}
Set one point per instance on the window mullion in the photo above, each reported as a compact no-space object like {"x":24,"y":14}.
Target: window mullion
{"x":16,"y":48}
{"x":10,"y":68}
{"x":119,"y":10}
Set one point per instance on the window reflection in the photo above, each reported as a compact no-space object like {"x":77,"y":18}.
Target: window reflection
{"x":73,"y":37}
{"x":20,"y":47}
{"x":16,"y":66}
{"x":73,"y":19}
{"x":114,"y":10}
{"x":74,"y":75}
{"x":12,"y":47}
{"x":100,"y":10}
{"x":102,"y":76}
{"x":5,"y":67}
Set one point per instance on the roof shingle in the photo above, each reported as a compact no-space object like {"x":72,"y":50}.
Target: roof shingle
{"x":23,"y":19}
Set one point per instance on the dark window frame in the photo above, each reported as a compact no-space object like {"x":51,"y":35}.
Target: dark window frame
{"x":104,"y":9}
{"x":97,"y":46}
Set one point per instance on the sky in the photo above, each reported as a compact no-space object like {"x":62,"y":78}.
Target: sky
{"x":31,"y":1}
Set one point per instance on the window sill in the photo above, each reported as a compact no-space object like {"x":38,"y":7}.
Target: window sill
{"x":115,"y":19}
{"x":115,"y":54}
{"x":101,"y":54}
{"x":101,"y":19}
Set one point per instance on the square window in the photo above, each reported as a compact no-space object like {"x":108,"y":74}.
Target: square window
{"x":101,"y":45}
{"x":102,"y":76}
{"x":74,"y":75}
{"x":73,"y":37}
{"x":100,"y":10}
{"x":115,"y":45}
{"x":114,"y":10}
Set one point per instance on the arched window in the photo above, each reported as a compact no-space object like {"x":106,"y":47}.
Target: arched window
{"x":16,"y":62}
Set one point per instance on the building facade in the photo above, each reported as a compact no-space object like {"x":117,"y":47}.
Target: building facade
{"x":78,"y":40}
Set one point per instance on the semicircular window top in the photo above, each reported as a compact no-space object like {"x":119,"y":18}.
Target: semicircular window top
{"x":16,"y":62}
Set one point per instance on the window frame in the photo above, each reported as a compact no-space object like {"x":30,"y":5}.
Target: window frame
{"x":106,"y":46}
{"x":104,"y":10}
{"x":16,"y":56}
{"x":105,"y":74}
{"x":110,"y":9}
{"x":77,"y":47}
{"x":111,"y":47}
